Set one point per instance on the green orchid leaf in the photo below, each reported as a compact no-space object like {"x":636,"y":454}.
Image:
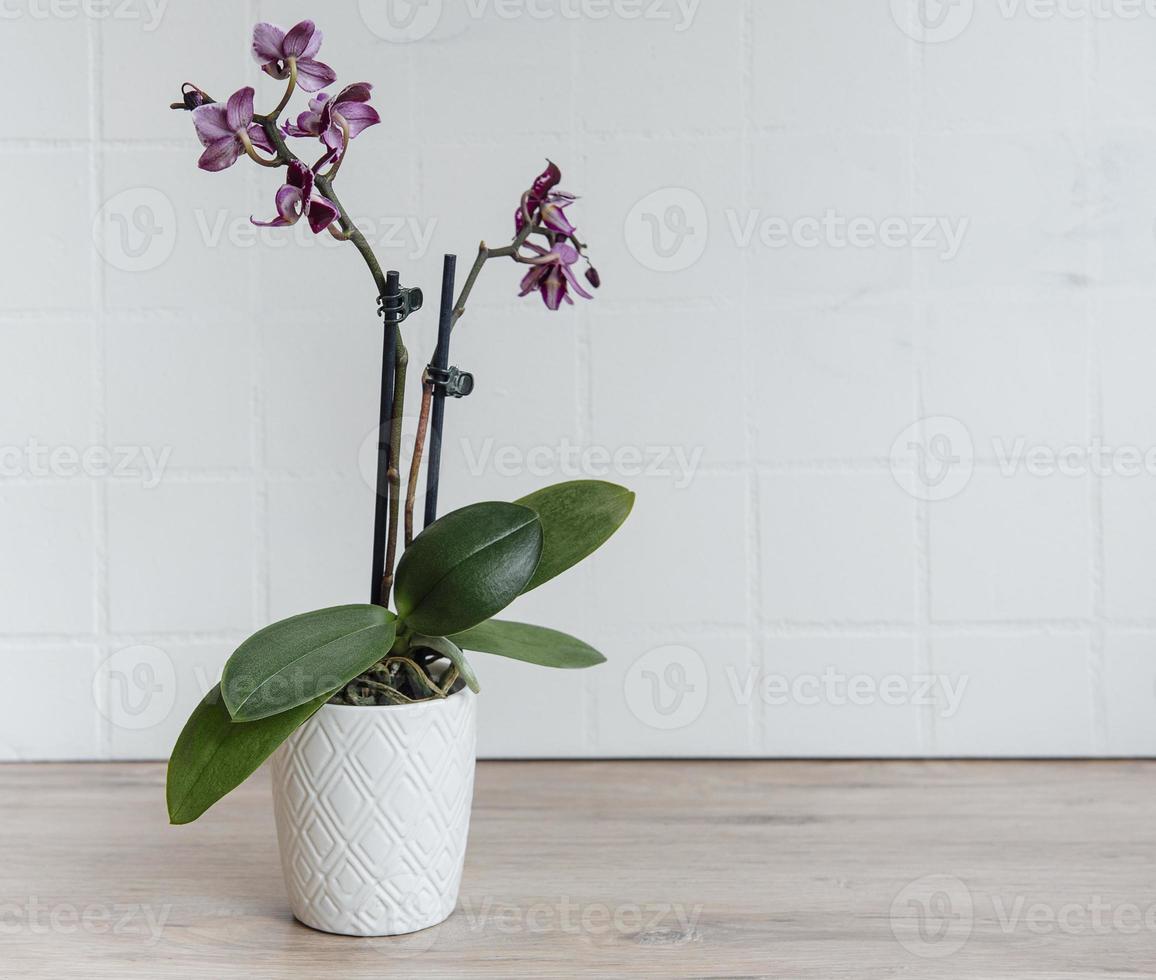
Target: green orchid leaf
{"x":577,"y":519}
{"x":531,"y":644}
{"x":467,"y":566}
{"x":294,"y":661}
{"x":215,"y":754}
{"x":446,"y":647}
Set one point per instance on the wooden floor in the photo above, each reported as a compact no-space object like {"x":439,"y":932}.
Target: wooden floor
{"x":618,"y":869}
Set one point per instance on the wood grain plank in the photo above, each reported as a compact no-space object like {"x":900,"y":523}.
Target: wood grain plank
{"x":617,"y":869}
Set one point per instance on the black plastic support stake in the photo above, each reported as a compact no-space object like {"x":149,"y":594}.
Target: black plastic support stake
{"x":439,"y":367}
{"x":385,"y":418}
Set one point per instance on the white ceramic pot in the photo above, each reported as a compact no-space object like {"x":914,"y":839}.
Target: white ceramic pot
{"x":373,"y":811}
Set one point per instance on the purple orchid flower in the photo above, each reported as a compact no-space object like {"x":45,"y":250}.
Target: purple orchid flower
{"x":222,"y":130}
{"x":552,"y":274}
{"x":326,"y":116}
{"x":545,"y":182}
{"x":543,"y":207}
{"x":274,"y":49}
{"x":296,"y":198}
{"x":553,"y":214}
{"x":546,"y":203}
{"x":539,"y":191}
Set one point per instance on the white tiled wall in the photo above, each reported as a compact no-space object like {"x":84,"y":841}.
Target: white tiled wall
{"x":878,"y":295}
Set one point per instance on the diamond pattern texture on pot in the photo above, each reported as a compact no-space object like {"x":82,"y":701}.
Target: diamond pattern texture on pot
{"x":373,"y":812}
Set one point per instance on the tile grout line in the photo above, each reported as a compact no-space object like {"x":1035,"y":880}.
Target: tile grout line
{"x":788,"y":301}
{"x":1097,"y":664}
{"x":594,"y":136}
{"x":100,"y":488}
{"x":927,"y":721}
{"x":195,"y":474}
{"x":787,"y":629}
{"x":1097,"y":656}
{"x":758,"y":720}
{"x":262,"y":558}
{"x":584,"y":390}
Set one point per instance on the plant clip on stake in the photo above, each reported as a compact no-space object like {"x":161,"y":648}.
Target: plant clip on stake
{"x":446,"y":380}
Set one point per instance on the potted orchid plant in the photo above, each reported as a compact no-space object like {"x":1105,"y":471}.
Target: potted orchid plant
{"x":368,"y":710}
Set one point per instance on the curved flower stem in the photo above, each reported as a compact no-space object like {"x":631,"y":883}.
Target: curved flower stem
{"x":344,"y":147}
{"x":254,"y":155}
{"x":287,"y":156}
{"x":350,"y":231}
{"x":401,"y":364}
{"x":354,"y":235}
{"x":321,"y":161}
{"x":485,"y":253}
{"x":525,"y":206}
{"x":415,"y":464}
{"x":288,"y":91}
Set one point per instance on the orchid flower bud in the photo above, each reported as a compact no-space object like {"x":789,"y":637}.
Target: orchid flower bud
{"x":191,"y":98}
